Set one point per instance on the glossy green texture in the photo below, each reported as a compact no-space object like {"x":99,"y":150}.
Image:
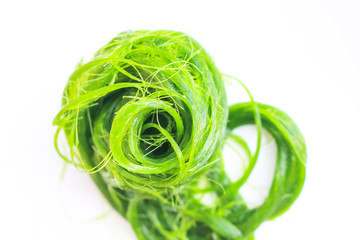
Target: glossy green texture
{"x":147,"y":117}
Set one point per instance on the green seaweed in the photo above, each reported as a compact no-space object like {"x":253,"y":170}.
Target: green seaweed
{"x":147,"y":118}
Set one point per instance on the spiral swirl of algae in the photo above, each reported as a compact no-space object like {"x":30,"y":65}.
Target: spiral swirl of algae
{"x":147,"y":118}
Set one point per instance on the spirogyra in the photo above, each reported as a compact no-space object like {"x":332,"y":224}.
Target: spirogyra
{"x":147,"y":118}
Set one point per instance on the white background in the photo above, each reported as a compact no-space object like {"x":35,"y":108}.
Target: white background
{"x":300,"y":56}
